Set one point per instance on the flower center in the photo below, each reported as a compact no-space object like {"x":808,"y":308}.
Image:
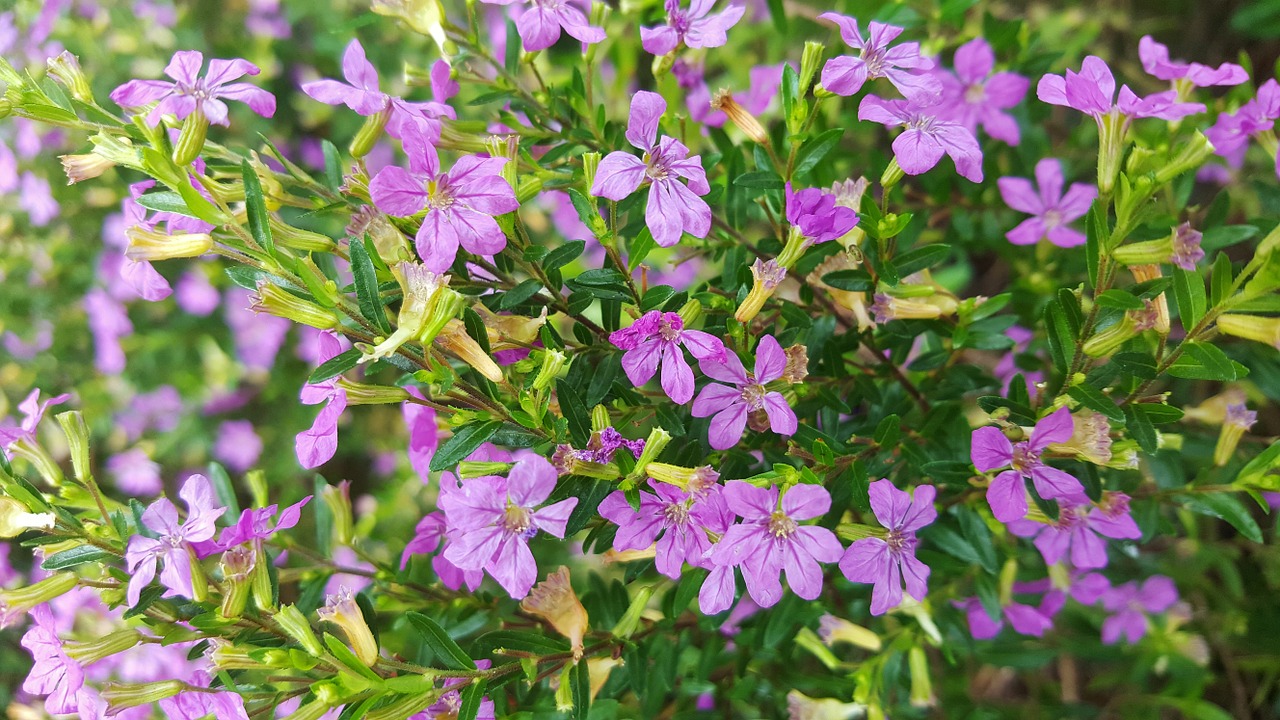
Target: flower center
{"x":975,"y":94}
{"x":753,"y":395}
{"x":680,"y":22}
{"x":875,"y":61}
{"x":440,"y":195}
{"x":518,"y":521}
{"x":899,"y":541}
{"x":781,"y":526}
{"x":676,"y":514}
{"x":668,"y":330}
{"x":1024,"y":458}
{"x":655,"y":166}
{"x":1052,"y":218}
{"x":923,"y":123}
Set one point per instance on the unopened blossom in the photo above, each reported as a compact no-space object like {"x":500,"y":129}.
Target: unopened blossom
{"x":890,"y":561}
{"x":361,"y":93}
{"x":460,"y":204}
{"x":542,"y":21}
{"x":768,"y":542}
{"x":192,"y":93}
{"x":1078,"y":530}
{"x":674,"y":208}
{"x":1006,"y":494}
{"x":845,"y":75}
{"x":926,"y":136}
{"x":1093,"y":91}
{"x":53,"y":673}
{"x":32,"y":413}
{"x":492,"y":519}
{"x":975,"y":96}
{"x":1033,"y":620}
{"x":316,"y":445}
{"x":656,"y":340}
{"x":676,"y":519}
{"x":1155,"y":60}
{"x":816,"y":214}
{"x":554,"y":601}
{"x":730,"y":406}
{"x":692,"y":27}
{"x":1050,"y":208}
{"x":172,"y":548}
{"x":1130,"y":604}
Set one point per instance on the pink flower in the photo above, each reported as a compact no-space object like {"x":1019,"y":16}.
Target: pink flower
{"x":1230,"y":133}
{"x":540,"y":25}
{"x":1131,"y":603}
{"x":1077,"y":528}
{"x":1093,"y":91}
{"x":1006,"y":494}
{"x":655,"y":339}
{"x":429,"y":536}
{"x":676,"y":519}
{"x":974,"y":96}
{"x":694,"y":28}
{"x":1033,"y":620}
{"x":674,"y":208}
{"x":424,"y":436}
{"x":1155,"y":60}
{"x":173,"y":548}
{"x":926,"y":138}
{"x":768,"y":542}
{"x":53,"y":673}
{"x":135,"y":473}
{"x":888,"y":562}
{"x":238,"y":445}
{"x":815,"y":213}
{"x":32,"y":413}
{"x":460,"y":204}
{"x":732,"y":404}
{"x":316,"y":445}
{"x":191,"y":93}
{"x":491,"y":520}
{"x":845,"y":75}
{"x":1051,"y":210}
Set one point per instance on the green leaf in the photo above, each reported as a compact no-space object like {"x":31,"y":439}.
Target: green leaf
{"x":952,"y":543}
{"x":1203,"y":361}
{"x":921,"y":258}
{"x":366,"y":282}
{"x":464,"y":442}
{"x":332,"y":166}
{"x":575,"y":411}
{"x":1188,"y":291}
{"x":1119,"y":299}
{"x":256,"y":209}
{"x":1220,"y":279}
{"x":519,"y":294}
{"x":1095,"y":235}
{"x":790,"y":89}
{"x":580,"y":677}
{"x":1096,"y":400}
{"x":471,"y":696}
{"x":979,"y":537}
{"x":815,"y":150}
{"x":75,"y":556}
{"x":1140,"y":427}
{"x":639,"y":249}
{"x":446,"y":650}
{"x":1263,"y":471}
{"x":335,"y":366}
{"x":563,"y":255}
{"x":760,"y":180}
{"x":851,"y":280}
{"x":348,"y":658}
{"x":1061,"y":340}
{"x":165,"y":201}
{"x":1224,"y":507}
{"x":490,"y":643}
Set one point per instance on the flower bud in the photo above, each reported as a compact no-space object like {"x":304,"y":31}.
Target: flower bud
{"x":662,"y":64}
{"x":366,"y":394}
{"x":921,"y":685}
{"x":291,"y":620}
{"x":391,"y":244}
{"x":692,"y":480}
{"x":509,"y":332}
{"x":84,"y":167}
{"x":810,"y":62}
{"x":468,"y":469}
{"x":653,"y":446}
{"x":286,"y":235}
{"x":1181,"y":248}
{"x":1213,"y":411}
{"x":6,"y":108}
{"x":15,"y":519}
{"x":600,"y":419}
{"x":555,"y":602}
{"x":87,"y":653}
{"x":320,"y":707}
{"x":237,"y":566}
{"x":370,"y":133}
{"x":1112,"y":129}
{"x":1108,"y":341}
{"x":832,"y":630}
{"x":740,"y":116}
{"x":1239,"y":419}
{"x":887,"y":308}
{"x":1090,"y":440}
{"x":77,"y":433}
{"x":122,"y":696}
{"x":553,"y":362}
{"x":338,"y":498}
{"x":568,"y":461}
{"x":803,"y":707}
{"x":31,"y":451}
{"x":1265,"y":330}
{"x":65,"y":68}
{"x":15,"y":603}
{"x":191,"y":140}
{"x":564,"y":683}
{"x":590,"y":162}
{"x":341,"y":609}
{"x":1192,"y":153}
{"x":624,"y":556}
{"x":630,"y":620}
{"x":506,"y":147}
{"x":767,"y":276}
{"x":454,"y":340}
{"x":275,"y":300}
{"x":151,"y":246}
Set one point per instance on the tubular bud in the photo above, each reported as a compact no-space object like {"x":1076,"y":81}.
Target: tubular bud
{"x":84,"y":167}
{"x":77,"y":433}
{"x":341,"y":610}
{"x":15,"y":603}
{"x":15,"y":519}
{"x":275,"y":300}
{"x":1238,"y":420}
{"x":921,"y":684}
{"x":237,"y":567}
{"x":768,"y":275}
{"x":151,"y":246}
{"x":338,"y":498}
{"x":630,"y":620}
{"x":810,"y":62}
{"x":740,"y":116}
{"x":653,"y":446}
{"x":803,"y":707}
{"x":590,"y":161}
{"x":313,"y":710}
{"x":1108,"y":341}
{"x":600,"y":418}
{"x":87,"y":653}
{"x":420,"y":288}
{"x":40,"y":459}
{"x":366,"y":394}
{"x":1265,"y":330}
{"x":468,"y":469}
{"x":832,"y":630}
{"x":506,"y":147}
{"x":295,"y":625}
{"x":122,"y":696}
{"x":1192,"y":153}
{"x":191,"y":140}
{"x":286,"y":235}
{"x":553,"y":362}
{"x":694,"y":480}
{"x":370,"y":132}
{"x":454,"y":340}
{"x":65,"y":68}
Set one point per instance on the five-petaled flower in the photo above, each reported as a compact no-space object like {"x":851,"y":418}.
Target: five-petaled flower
{"x":887,"y":562}
{"x":173,"y":547}
{"x":655,"y":339}
{"x":926,"y":136}
{"x":1006,"y":494}
{"x":540,"y":25}
{"x":693,"y":27}
{"x":673,"y":208}
{"x":678,"y":520}
{"x":460,"y":204}
{"x":1131,"y":603}
{"x":731,"y":405}
{"x":1093,"y":91}
{"x":845,"y":75}
{"x":975,"y":96}
{"x":1050,"y":208}
{"x":191,"y":93}
{"x":1077,"y":527}
{"x":317,"y":444}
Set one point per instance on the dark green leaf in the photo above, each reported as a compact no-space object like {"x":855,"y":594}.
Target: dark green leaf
{"x":465,"y":440}
{"x":576,"y":412}
{"x":446,"y":650}
{"x":256,"y":208}
{"x":519,"y":294}
{"x":1119,"y":299}
{"x":564,"y":255}
{"x":920,"y":258}
{"x":1096,"y":400}
{"x":815,"y":149}
{"x":1224,"y":507}
{"x":226,"y":493}
{"x":1220,"y":280}
{"x":1188,"y":291}
{"x":850,"y":280}
{"x":75,"y":556}
{"x":366,"y":282}
{"x":1203,"y":361}
{"x":580,"y":677}
{"x":760,"y":180}
{"x":1140,"y":427}
{"x":335,"y":366}
{"x":332,"y":166}
{"x":165,"y":201}
{"x":472,"y":695}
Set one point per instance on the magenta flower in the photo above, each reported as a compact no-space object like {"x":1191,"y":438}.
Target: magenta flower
{"x":491,"y":520}
{"x":1230,"y":133}
{"x":190,"y":93}
{"x":424,"y":435}
{"x":745,"y":396}
{"x":694,"y":28}
{"x":770,"y":541}
{"x":845,"y":75}
{"x":1077,"y":529}
{"x":32,"y":413}
{"x":1006,"y":494}
{"x":460,"y":204}
{"x":197,"y":704}
{"x":655,"y":339}
{"x":449,"y":704}
{"x":1155,"y":60}
{"x":815,"y":212}
{"x":1093,"y":91}
{"x":1051,"y":210}
{"x":429,"y":536}
{"x":362,"y":94}
{"x":888,"y":562}
{"x":926,"y":136}
{"x":173,"y":548}
{"x":540,"y":25}
{"x":673,"y":208}
{"x":974,"y":96}
{"x":1131,"y":603}
{"x":1033,"y":620}
{"x":54,"y":674}
{"x":676,"y":519}
{"x":254,"y":526}
{"x":316,"y":445}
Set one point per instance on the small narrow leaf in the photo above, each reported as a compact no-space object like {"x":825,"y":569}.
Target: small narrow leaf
{"x":464,"y":442}
{"x":366,"y":282}
{"x":256,"y":209}
{"x":447,"y":651}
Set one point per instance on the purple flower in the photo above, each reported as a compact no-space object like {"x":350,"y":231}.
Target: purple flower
{"x":450,"y":702}
{"x":1155,"y":60}
{"x":254,"y":526}
{"x":258,"y":337}
{"x":845,"y":75}
{"x":693,"y":28}
{"x":316,"y":445}
{"x":1077,"y":528}
{"x":676,"y":519}
{"x":196,"y":295}
{"x":732,"y":404}
{"x":1093,"y":91}
{"x":460,"y":204}
{"x":1230,"y":133}
{"x":32,"y":413}
{"x":540,"y":25}
{"x":926,"y":137}
{"x":429,"y":536}
{"x":815,"y":212}
{"x":768,"y":542}
{"x":1033,"y":620}
{"x":108,"y":322}
{"x":424,"y":435}
{"x":1130,"y":603}
{"x":1006,"y":494}
{"x":173,"y":546}
{"x":974,"y":96}
{"x":190,"y":93}
{"x":890,"y":561}
{"x":1051,"y":210}
{"x":53,"y":673}
{"x":655,"y":339}
{"x":673,"y":207}
{"x":238,"y":445}
{"x":36,"y":198}
{"x":135,"y":473}
{"x":362,"y":94}
{"x":197,"y":704}
{"x":492,"y":519}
